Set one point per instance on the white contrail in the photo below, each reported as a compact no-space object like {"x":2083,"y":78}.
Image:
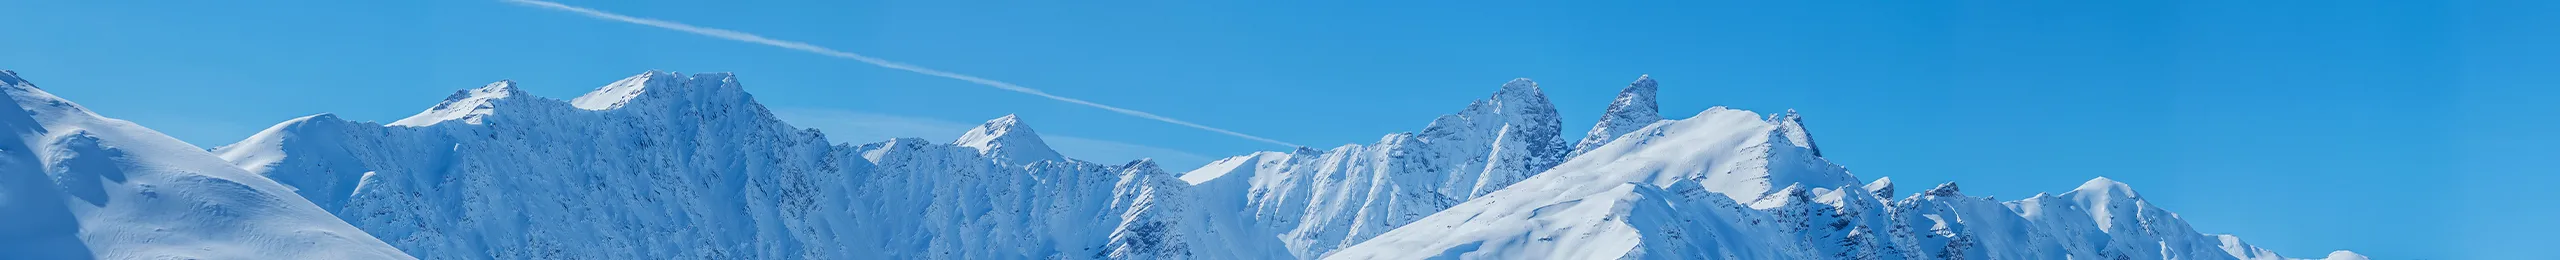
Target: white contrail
{"x":800,"y":46}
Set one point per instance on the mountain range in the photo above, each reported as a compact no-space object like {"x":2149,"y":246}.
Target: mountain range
{"x":665,"y":165}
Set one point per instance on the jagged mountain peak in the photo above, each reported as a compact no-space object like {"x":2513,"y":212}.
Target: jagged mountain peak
{"x":656,"y":84}
{"x":466,"y":105}
{"x":1303,"y":150}
{"x":499,"y":89}
{"x":757,"y":189}
{"x":658,"y":90}
{"x":1520,"y":85}
{"x":675,"y":152}
{"x":1792,"y":125}
{"x":623,"y":91}
{"x":1143,"y":166}
{"x":1516,"y":133}
{"x":1519,"y":96}
{"x":1516,"y":97}
{"x":1634,"y":108}
{"x":1517,"y":102}
{"x":1948,"y":189}
{"x":1008,"y":139}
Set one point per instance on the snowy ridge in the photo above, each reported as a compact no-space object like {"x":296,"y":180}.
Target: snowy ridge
{"x":1318,"y":201}
{"x":1007,"y":139}
{"x":1634,"y":108}
{"x":1730,"y":184}
{"x":666,"y":165}
{"x":75,"y":185}
{"x":466,"y":105}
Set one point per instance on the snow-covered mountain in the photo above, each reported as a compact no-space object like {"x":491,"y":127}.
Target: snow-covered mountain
{"x":665,"y":165}
{"x":75,"y":185}
{"x":1316,"y":202}
{"x":1730,"y":184}
{"x":662,"y":165}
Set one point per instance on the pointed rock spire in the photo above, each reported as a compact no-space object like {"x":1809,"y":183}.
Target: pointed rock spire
{"x":1496,"y":141}
{"x":1006,"y":139}
{"x":1792,"y":125}
{"x":1634,"y":109}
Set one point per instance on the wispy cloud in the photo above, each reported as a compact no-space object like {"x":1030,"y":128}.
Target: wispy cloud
{"x":806,"y":47}
{"x":863,"y":127}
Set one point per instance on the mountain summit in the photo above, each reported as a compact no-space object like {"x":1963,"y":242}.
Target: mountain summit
{"x":666,"y":165}
{"x":1007,"y":139}
{"x":1633,"y":109}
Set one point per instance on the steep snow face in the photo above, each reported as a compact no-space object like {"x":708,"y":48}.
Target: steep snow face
{"x":529,"y":177}
{"x":1496,"y":141}
{"x":1733,"y":152}
{"x":1318,"y":201}
{"x":1725,"y":160}
{"x":1007,"y":139}
{"x":668,"y":166}
{"x":467,"y":105}
{"x":1731,"y":184}
{"x":1633,"y":109}
{"x":622,"y":92}
{"x":1946,"y":224}
{"x":1940,"y":223}
{"x":75,"y":185}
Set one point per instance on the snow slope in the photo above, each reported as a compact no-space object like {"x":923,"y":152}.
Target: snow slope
{"x":1317,"y":201}
{"x":664,"y":165}
{"x":75,"y":185}
{"x":1730,"y":184}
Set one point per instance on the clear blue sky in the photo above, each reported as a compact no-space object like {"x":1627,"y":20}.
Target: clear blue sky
{"x":2401,"y":129}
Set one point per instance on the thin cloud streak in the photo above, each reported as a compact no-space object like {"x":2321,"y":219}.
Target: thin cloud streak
{"x":805,"y":47}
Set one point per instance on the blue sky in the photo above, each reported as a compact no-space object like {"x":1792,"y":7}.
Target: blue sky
{"x":2400,"y":129}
